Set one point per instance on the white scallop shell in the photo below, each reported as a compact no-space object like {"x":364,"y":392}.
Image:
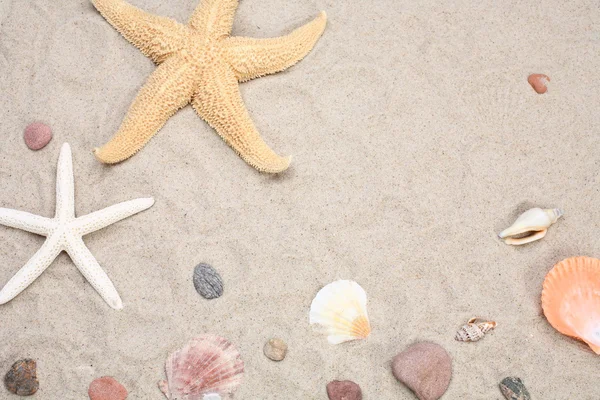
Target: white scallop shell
{"x":340,"y":311}
{"x":207,"y":368}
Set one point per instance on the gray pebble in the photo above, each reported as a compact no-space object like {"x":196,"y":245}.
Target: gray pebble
{"x":513,"y":389}
{"x":207,"y":281}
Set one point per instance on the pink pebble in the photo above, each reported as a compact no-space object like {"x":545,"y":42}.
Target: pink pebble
{"x":539,"y":82}
{"x":426,"y":368}
{"x":107,"y":388}
{"x":37,"y":135}
{"x":343,"y":390}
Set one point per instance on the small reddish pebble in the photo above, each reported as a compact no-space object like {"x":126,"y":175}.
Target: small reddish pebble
{"x":343,"y":390}
{"x":539,"y":82}
{"x":37,"y":135}
{"x":107,"y":388}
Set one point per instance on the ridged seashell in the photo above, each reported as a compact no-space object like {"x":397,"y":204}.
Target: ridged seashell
{"x":340,"y":311}
{"x":212,"y":396}
{"x":532,"y":225}
{"x":513,"y":389}
{"x":571,"y":299}
{"x":473,"y":331}
{"x":207,"y":281}
{"x":207,"y":368}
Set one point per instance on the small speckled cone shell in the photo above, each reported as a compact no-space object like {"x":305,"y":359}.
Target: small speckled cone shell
{"x":571,"y":299}
{"x":340,"y":311}
{"x":207,"y":364}
{"x":473,"y":331}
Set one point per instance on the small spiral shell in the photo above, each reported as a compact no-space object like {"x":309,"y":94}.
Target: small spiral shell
{"x":473,"y":331}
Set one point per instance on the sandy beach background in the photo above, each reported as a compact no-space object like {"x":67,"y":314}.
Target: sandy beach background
{"x":416,"y":139}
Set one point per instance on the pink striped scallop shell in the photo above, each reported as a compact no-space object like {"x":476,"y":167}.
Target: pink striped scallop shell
{"x":208,"y":367}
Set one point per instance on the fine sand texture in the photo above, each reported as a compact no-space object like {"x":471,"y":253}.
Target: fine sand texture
{"x":415,"y":139}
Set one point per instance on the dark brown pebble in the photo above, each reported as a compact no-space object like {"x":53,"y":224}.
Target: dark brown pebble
{"x":21,"y":379}
{"x":513,"y":389}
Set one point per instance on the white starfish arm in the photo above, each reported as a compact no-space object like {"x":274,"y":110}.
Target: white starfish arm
{"x":109,"y":215}
{"x":89,"y":267}
{"x":25,"y":221}
{"x":31,"y":270}
{"x":214,"y":17}
{"x":65,"y":186}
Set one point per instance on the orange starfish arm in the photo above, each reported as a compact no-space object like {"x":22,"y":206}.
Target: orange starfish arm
{"x":169,"y":88}
{"x":157,"y":37}
{"x":214,"y":17}
{"x":251,"y":58}
{"x":218,"y":102}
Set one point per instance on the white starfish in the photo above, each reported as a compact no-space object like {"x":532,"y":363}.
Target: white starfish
{"x":64,"y":232}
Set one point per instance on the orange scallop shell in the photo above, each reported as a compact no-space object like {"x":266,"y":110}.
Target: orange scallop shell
{"x":571,"y":299}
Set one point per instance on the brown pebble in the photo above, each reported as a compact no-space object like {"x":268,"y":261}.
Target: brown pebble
{"x":107,"y":388}
{"x":539,"y":82}
{"x":343,"y":390}
{"x":37,"y":135}
{"x":21,"y":379}
{"x":275,"y":349}
{"x":426,"y":368}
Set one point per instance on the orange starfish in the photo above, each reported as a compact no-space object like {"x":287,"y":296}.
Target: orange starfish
{"x":200,"y":63}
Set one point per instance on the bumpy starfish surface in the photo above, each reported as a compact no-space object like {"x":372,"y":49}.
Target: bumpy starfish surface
{"x":64,"y":232}
{"x":200,"y":63}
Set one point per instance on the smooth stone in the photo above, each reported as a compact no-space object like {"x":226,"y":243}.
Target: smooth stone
{"x":539,"y":82}
{"x":21,"y":379}
{"x":37,"y":135}
{"x":107,"y":388}
{"x":513,"y":389}
{"x":425,"y":368}
{"x":343,"y":390}
{"x":275,"y":349}
{"x":207,"y":281}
